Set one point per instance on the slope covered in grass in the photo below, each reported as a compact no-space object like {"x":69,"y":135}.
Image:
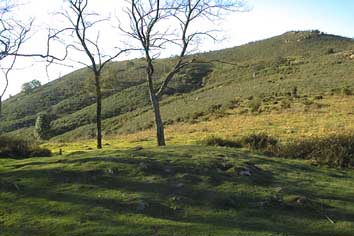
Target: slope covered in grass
{"x":188,"y":190}
{"x":313,"y":62}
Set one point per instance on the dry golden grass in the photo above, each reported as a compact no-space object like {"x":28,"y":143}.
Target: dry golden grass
{"x":335,"y":116}
{"x":331,"y":115}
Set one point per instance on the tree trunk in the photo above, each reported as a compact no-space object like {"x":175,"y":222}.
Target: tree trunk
{"x":0,"y":106}
{"x":160,"y":133}
{"x":98,"y":111}
{"x":154,"y":98}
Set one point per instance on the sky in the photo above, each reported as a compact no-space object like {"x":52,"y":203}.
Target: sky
{"x":265,"y":18}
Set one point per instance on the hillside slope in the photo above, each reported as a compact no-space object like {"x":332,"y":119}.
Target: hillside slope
{"x":312,"y":63}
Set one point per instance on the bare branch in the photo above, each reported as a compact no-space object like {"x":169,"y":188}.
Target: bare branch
{"x":147,"y":18}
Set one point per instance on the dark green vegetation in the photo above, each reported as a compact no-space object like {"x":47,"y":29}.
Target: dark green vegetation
{"x":17,"y":148}
{"x":42,"y":126}
{"x":173,"y":191}
{"x":291,"y":65}
{"x":334,"y":150}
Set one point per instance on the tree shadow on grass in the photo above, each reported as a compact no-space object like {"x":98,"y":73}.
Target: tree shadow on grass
{"x":227,"y":210}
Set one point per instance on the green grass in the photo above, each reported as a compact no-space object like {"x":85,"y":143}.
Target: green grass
{"x":178,"y":190}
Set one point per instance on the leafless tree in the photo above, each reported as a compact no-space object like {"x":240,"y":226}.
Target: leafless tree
{"x":13,"y":34}
{"x":153,"y":24}
{"x":81,"y":35}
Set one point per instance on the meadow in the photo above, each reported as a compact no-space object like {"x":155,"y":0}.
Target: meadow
{"x":177,"y":190}
{"x":290,"y":88}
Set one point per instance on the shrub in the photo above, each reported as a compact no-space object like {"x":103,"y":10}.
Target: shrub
{"x":294,"y":92}
{"x":330,"y":51}
{"x":29,"y":86}
{"x":308,"y":102}
{"x":18,"y":148}
{"x":233,"y":104}
{"x":285,"y":104}
{"x":42,"y":126}
{"x":343,"y":91}
{"x":255,"y":105}
{"x":347,"y":91}
{"x":217,"y":141}
{"x":215,"y":108}
{"x":260,"y":141}
{"x":337,"y":150}
{"x":40,"y":152}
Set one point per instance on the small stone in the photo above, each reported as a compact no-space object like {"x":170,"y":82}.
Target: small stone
{"x":137,"y":148}
{"x":141,"y":206}
{"x":245,"y":173}
{"x":16,"y":186}
{"x":263,"y":203}
{"x":301,"y":200}
{"x":143,"y":166}
{"x":110,"y":171}
{"x":179,"y":185}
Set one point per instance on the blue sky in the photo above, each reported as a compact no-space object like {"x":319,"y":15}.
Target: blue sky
{"x":273,"y":17}
{"x":329,"y":15}
{"x":267,"y":18}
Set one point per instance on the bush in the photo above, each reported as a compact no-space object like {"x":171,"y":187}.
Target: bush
{"x":42,"y":126}
{"x":217,"y":141}
{"x":285,"y":104}
{"x":215,"y":108}
{"x":294,"y":92}
{"x":337,"y":150}
{"x":255,"y":105}
{"x":347,"y":91}
{"x":260,"y":141}
{"x":40,"y":152}
{"x":330,"y":51}
{"x":17,"y":148}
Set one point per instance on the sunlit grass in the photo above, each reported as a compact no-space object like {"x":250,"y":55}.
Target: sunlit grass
{"x":336,"y":116}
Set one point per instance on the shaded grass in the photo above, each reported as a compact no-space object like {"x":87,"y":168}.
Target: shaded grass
{"x":187,"y":190}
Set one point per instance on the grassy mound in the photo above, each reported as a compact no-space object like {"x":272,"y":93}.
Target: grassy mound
{"x":189,"y":190}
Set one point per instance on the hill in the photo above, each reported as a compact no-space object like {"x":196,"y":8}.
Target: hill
{"x":307,"y":63}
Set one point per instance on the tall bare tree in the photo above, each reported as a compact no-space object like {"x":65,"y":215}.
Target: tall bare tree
{"x":153,"y":24}
{"x":13,"y":33}
{"x":81,"y":35}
